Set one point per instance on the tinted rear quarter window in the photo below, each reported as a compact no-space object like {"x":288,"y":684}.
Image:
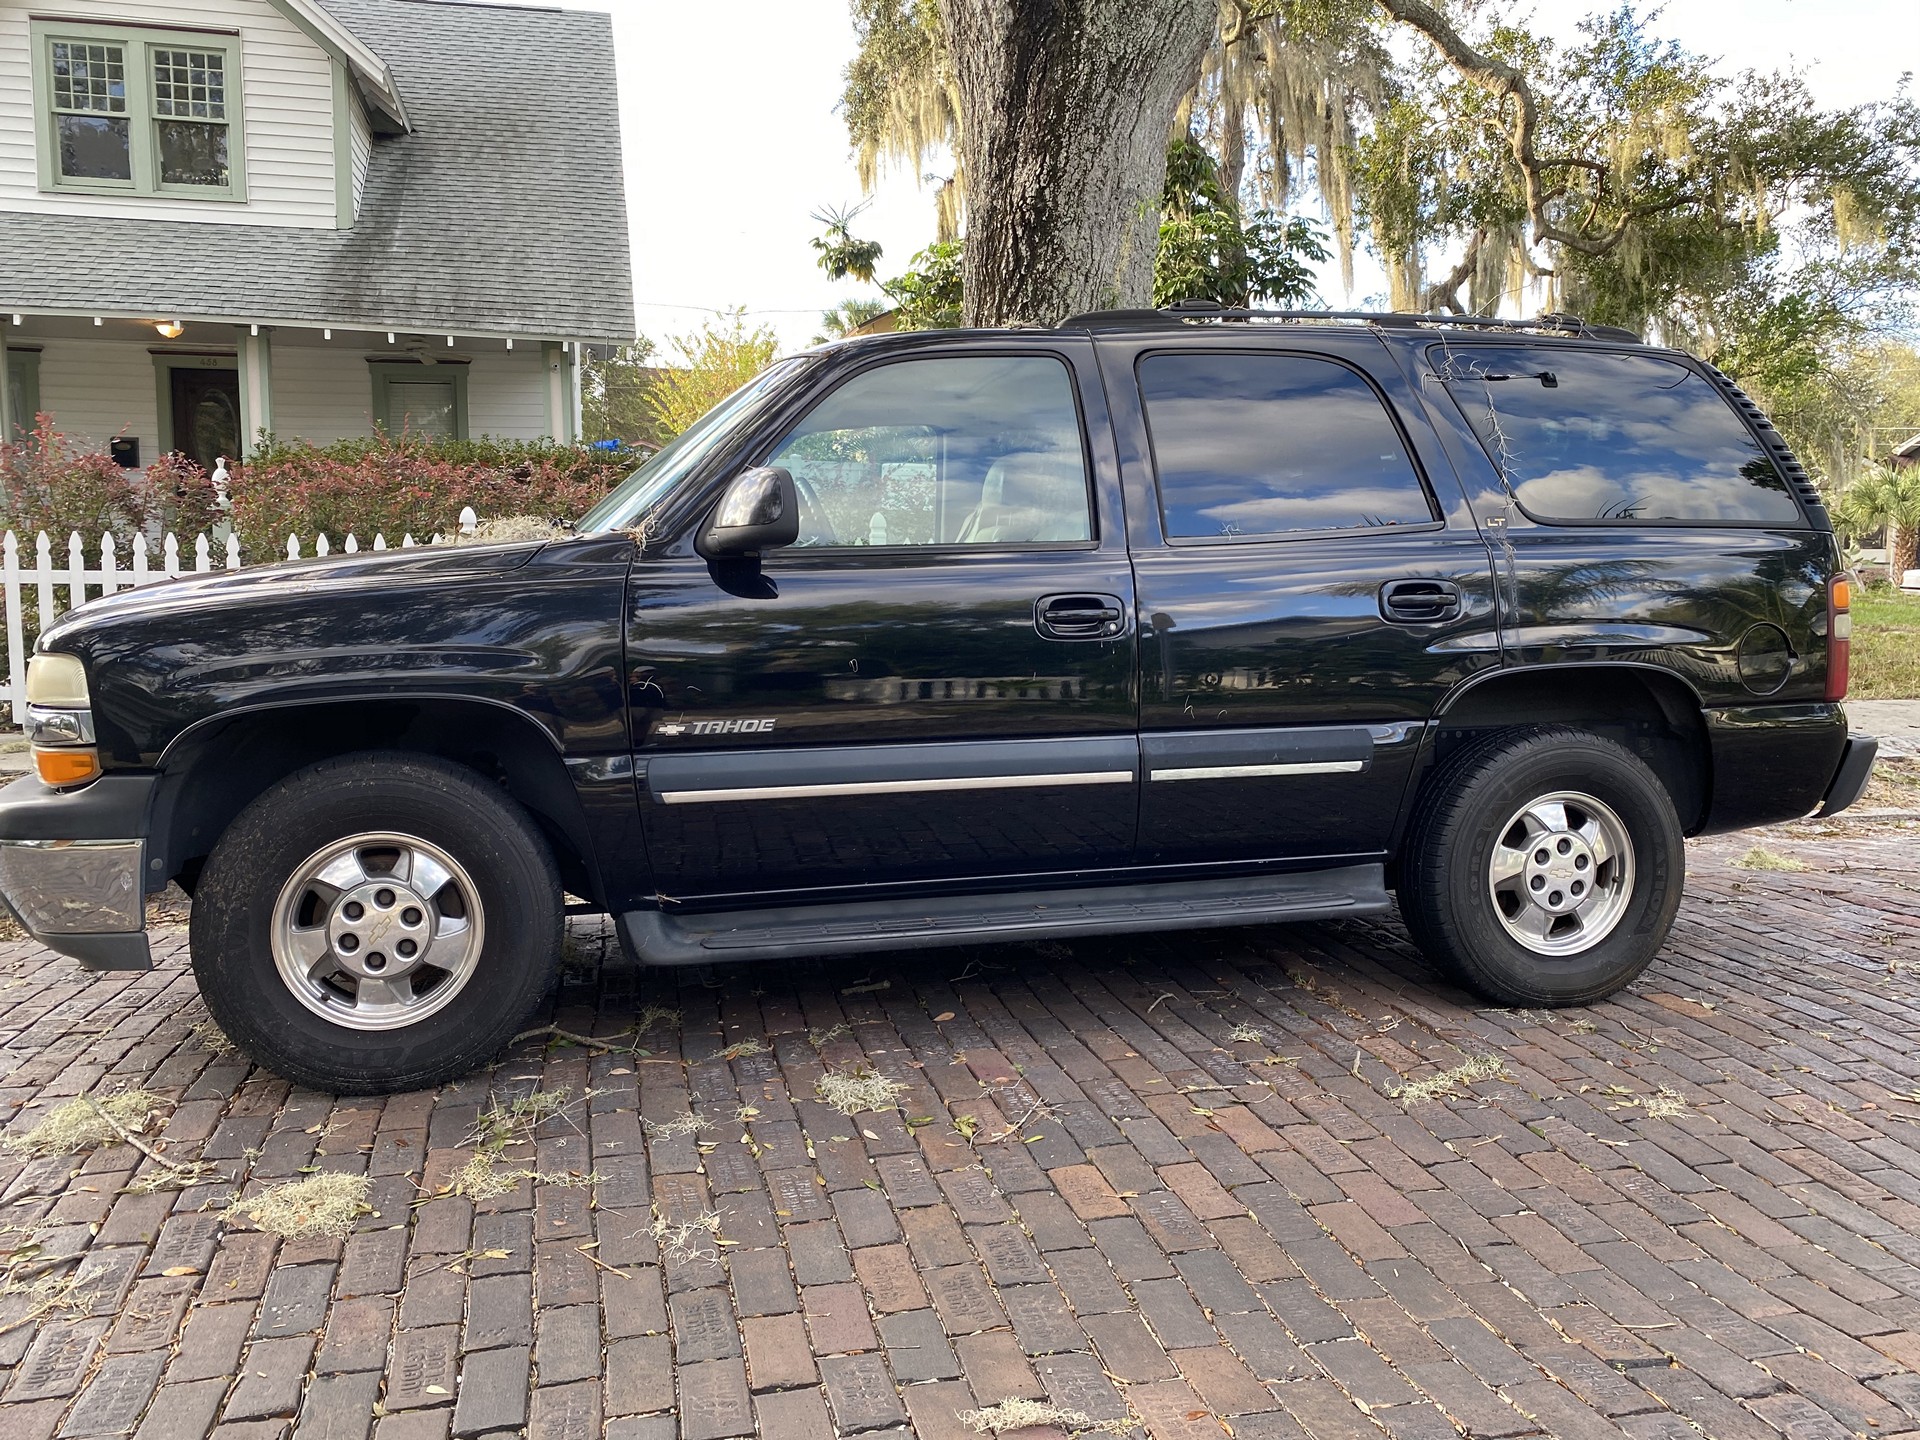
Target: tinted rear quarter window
{"x":1590,"y":435}
{"x":1251,"y":445}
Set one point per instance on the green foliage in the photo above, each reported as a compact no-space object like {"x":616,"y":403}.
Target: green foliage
{"x":613,"y":395}
{"x":928,"y":296}
{"x":847,"y":317}
{"x":842,"y":254}
{"x":1210,"y":250}
{"x":408,"y":485}
{"x":714,"y":361}
{"x":1884,"y":497}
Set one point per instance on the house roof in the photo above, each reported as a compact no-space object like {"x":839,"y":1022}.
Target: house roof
{"x":501,"y":211}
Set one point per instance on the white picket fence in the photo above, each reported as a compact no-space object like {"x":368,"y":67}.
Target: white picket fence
{"x":60,"y":588}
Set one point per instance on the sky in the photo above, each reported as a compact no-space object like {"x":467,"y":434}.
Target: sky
{"x":732,"y":140}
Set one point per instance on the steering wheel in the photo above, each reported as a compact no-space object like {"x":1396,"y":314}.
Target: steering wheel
{"x":816,"y":528}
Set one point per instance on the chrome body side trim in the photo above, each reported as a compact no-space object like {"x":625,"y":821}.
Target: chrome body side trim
{"x":895,"y":787}
{"x":1242,"y":772}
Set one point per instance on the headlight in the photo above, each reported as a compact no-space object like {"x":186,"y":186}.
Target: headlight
{"x":60,"y":720}
{"x":58,"y":682}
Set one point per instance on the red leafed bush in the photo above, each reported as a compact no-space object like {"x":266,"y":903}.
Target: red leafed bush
{"x":410,"y":486}
{"x":49,"y":482}
{"x":184,"y":493}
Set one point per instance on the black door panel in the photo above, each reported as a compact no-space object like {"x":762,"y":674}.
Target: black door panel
{"x":807,"y":818}
{"x":1302,"y":646}
{"x":892,"y":714}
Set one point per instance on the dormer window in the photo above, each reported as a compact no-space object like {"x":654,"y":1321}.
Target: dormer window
{"x":140,"y":112}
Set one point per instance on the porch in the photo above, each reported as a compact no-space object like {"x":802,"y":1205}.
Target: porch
{"x":207,"y":388}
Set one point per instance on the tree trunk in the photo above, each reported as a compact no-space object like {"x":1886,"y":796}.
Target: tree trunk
{"x":1066,"y":108}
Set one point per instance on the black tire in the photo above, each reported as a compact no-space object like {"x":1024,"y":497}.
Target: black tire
{"x":1445,"y":885}
{"x":445,"y":805}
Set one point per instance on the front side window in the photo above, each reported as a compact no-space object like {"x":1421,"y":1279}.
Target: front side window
{"x":145,"y":113}
{"x":1251,"y":445}
{"x":955,"y":450}
{"x":1592,"y":435}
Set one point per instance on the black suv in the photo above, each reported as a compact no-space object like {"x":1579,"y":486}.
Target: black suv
{"x":1151,"y":621}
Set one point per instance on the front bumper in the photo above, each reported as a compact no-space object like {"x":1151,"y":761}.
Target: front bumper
{"x":1850,"y":780}
{"x":72,"y":868}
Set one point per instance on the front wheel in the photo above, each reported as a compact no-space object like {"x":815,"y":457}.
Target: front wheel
{"x":377,"y":922}
{"x":1543,"y":867}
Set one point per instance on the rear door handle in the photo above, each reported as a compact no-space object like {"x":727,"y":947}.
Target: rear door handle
{"x":1419,"y":602}
{"x":1079,"y":617}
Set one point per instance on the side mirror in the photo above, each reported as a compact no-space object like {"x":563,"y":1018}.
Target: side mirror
{"x":759,"y":510}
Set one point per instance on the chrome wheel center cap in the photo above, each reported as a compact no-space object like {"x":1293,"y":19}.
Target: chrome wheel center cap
{"x":380,"y":929}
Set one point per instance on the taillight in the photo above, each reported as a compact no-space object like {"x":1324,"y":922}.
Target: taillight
{"x":1839,"y":635}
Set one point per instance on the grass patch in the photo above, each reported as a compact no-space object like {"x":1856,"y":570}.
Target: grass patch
{"x":1664,"y":1106}
{"x":75,"y":1126}
{"x":483,"y":1177}
{"x":817,"y":1037}
{"x":323,"y":1204}
{"x":1886,"y":644}
{"x":1759,"y":858}
{"x":853,"y":1092}
{"x":741,"y":1049}
{"x":1449,"y":1082}
{"x":680,"y":1125}
{"x":1247,"y":1035}
{"x":211,"y":1038}
{"x":654,"y":1017}
{"x":686,"y":1241}
{"x":1018,"y":1414}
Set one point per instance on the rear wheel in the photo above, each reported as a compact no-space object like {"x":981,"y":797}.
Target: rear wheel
{"x":1543,"y":867}
{"x":377,"y":922}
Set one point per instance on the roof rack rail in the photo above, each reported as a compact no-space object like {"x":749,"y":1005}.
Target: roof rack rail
{"x":1181,"y":312}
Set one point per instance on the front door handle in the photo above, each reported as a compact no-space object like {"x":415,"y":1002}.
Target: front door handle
{"x":1079,"y":617}
{"x":1419,"y":602}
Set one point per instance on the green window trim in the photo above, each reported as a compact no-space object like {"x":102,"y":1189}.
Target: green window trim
{"x":173,"y":88}
{"x":23,"y":383}
{"x":387,"y":374}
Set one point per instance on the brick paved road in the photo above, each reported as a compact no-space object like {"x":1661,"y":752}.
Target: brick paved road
{"x":1189,"y":1198}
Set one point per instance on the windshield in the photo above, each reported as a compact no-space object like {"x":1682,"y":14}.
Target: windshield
{"x":643,"y":489}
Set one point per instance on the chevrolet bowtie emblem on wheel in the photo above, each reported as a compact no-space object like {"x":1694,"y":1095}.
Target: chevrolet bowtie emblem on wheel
{"x":669,"y":728}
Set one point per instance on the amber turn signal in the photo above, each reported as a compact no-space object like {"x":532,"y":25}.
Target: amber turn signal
{"x":66,"y":767}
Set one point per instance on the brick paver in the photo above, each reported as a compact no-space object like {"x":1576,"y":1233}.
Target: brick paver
{"x":1171,"y":1181}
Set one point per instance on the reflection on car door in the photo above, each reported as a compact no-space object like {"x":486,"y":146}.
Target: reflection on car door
{"x":936,"y":682}
{"x":1305,"y":596}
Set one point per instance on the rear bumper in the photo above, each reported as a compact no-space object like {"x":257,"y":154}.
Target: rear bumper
{"x":72,"y":868}
{"x":1850,"y":780}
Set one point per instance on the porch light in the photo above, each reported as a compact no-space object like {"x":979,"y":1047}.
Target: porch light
{"x":169,"y":329}
{"x":18,"y":320}
{"x":253,"y":329}
{"x":98,"y":321}
{"x":449,"y":342}
{"x":509,"y":338}
{"x":389,"y":337}
{"x":326,"y":334}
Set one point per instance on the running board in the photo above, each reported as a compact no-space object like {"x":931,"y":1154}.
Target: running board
{"x":662,"y":938}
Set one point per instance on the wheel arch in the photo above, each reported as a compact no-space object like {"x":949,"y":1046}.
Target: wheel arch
{"x":1652,"y":711}
{"x":215,"y":768}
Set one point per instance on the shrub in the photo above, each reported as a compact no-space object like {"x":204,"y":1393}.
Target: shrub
{"x":404,"y":485}
{"x":183,"y":494}
{"x":49,"y":482}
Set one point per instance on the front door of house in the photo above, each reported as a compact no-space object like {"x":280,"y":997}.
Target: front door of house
{"x":206,"y":414}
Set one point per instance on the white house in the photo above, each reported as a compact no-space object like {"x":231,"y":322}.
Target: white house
{"x":306,"y":217}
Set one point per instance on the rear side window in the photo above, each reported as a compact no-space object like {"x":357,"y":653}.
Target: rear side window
{"x":1587,"y":435}
{"x":1251,"y":445}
